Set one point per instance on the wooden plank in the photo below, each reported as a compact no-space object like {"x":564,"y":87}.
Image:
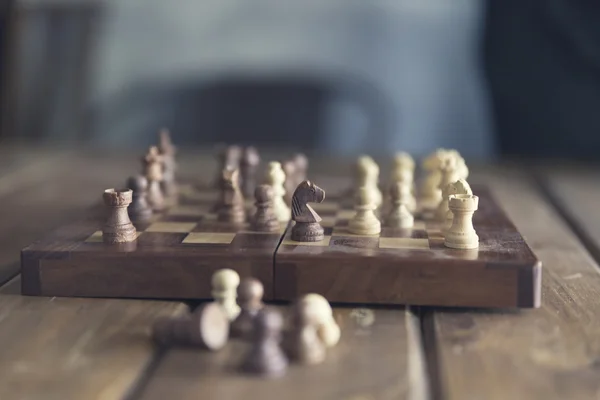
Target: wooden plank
{"x":549,"y":353}
{"x":59,"y":348}
{"x":382,"y":360}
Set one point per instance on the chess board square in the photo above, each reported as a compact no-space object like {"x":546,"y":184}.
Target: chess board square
{"x":403,"y":243}
{"x":186,"y":211}
{"x":209,"y":238}
{"x":255,"y":240}
{"x":322,"y":243}
{"x":96,"y":237}
{"x":175,"y":227}
{"x":355,"y":242}
{"x":161,"y":238}
{"x":342,"y":231}
{"x":404,"y":233}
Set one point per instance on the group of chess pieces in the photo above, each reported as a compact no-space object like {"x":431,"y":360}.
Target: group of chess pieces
{"x":238,"y":313}
{"x":444,"y":195}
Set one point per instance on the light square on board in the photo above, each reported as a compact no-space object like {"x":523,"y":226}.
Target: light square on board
{"x":403,"y":243}
{"x":322,"y":243}
{"x":209,"y":238}
{"x":341,"y":231}
{"x":175,"y":227}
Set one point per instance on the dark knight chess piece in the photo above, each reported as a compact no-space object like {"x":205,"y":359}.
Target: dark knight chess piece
{"x":232,"y":207}
{"x":264,"y":219}
{"x":307,"y":227}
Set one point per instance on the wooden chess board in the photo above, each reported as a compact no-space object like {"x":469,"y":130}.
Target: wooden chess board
{"x":176,"y":254}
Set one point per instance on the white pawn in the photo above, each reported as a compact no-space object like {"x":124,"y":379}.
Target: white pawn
{"x":367,"y":175}
{"x":459,"y":187}
{"x":224,"y":290}
{"x":430,"y":193}
{"x":404,"y":171}
{"x":275,"y":178}
{"x":328,"y":331}
{"x":399,"y":216}
{"x":365,"y":222}
{"x":449,"y":174}
{"x":461,"y":234}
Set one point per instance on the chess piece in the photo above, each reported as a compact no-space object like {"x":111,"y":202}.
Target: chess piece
{"x":139,"y":209}
{"x":364,"y":221}
{"x":307,"y":227}
{"x":264,"y":220}
{"x":449,"y":175}
{"x":301,"y":170}
{"x":224,"y":290}
{"x":462,"y":235}
{"x":153,"y":170}
{"x":249,"y":296}
{"x":249,"y":167}
{"x":168,"y":183}
{"x":404,"y":172}
{"x":266,"y":357}
{"x":231,"y":206}
{"x":328,"y":330}
{"x":229,"y":157}
{"x":118,"y":227}
{"x":459,"y":187}
{"x":367,"y":175}
{"x":303,"y":343}
{"x":207,"y":327}
{"x":399,"y":216}
{"x":430,"y":193}
{"x":291,"y":181}
{"x":276,"y":178}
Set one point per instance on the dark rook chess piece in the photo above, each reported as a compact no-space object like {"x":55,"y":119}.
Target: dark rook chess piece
{"x":231,"y":208}
{"x":266,"y":357}
{"x":139,"y":210}
{"x":249,"y":297}
{"x":153,"y":170}
{"x":118,"y":227}
{"x":207,"y":327}
{"x":307,"y":227}
{"x":264,"y":219}
{"x":249,"y":167}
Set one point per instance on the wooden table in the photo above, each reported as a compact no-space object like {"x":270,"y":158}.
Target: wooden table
{"x":68,"y":348}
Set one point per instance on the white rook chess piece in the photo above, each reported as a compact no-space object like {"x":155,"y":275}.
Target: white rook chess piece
{"x":276,"y":179}
{"x":224,"y":290}
{"x":461,"y":234}
{"x":459,"y":187}
{"x":365,"y":222}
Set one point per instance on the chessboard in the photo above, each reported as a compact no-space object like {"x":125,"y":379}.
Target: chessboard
{"x":176,"y":253}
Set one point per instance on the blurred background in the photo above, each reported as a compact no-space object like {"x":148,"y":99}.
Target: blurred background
{"x":489,"y":78}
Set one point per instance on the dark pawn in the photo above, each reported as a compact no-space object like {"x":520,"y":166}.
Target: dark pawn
{"x":139,"y":209}
{"x":249,"y":297}
{"x":207,"y":327}
{"x":307,"y":227}
{"x":266,"y":357}
{"x":231,"y":207}
{"x":291,"y":181}
{"x":249,"y":167}
{"x":264,"y":219}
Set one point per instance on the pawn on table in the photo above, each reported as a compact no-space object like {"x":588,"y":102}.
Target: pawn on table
{"x":364,"y":221}
{"x":275,"y":178}
{"x":264,"y":220}
{"x":207,"y":327}
{"x":224,"y":290}
{"x":399,"y":216}
{"x":461,"y":234}
{"x":266,"y":357}
{"x":231,"y":206}
{"x":153,"y":163}
{"x":139,"y":209}
{"x":328,"y":330}
{"x":249,"y":296}
{"x":118,"y":227}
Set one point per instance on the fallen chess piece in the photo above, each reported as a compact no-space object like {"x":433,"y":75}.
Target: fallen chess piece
{"x":224,"y":290}
{"x":207,"y":327}
{"x":266,"y":357}
{"x":303,"y":342}
{"x":118,"y":227}
{"x":307,"y":227}
{"x":328,"y":331}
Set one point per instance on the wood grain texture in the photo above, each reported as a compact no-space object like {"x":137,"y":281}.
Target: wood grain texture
{"x":549,"y":353}
{"x":64,"y":348}
{"x":378,"y":361}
